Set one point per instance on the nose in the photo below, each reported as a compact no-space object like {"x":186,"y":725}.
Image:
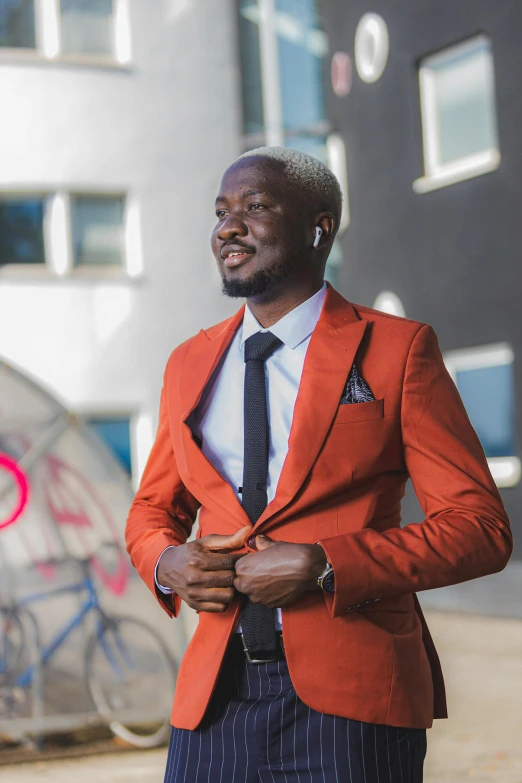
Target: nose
{"x":231,"y":227}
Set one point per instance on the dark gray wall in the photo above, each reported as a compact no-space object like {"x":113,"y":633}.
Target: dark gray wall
{"x":453,"y":255}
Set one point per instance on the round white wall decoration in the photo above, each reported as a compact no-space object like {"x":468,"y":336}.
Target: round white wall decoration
{"x":372,"y":47}
{"x":389,"y":302}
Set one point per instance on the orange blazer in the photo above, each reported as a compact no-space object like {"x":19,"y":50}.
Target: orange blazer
{"x":341,"y":484}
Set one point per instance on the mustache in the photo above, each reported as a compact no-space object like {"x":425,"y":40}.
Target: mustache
{"x":236,"y":244}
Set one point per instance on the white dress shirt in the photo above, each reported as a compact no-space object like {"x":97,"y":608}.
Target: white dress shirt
{"x":218,"y":420}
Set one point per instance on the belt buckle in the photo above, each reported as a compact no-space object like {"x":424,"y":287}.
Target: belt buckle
{"x":256,"y":661}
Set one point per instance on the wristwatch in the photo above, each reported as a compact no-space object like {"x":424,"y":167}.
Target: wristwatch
{"x":326,"y":580}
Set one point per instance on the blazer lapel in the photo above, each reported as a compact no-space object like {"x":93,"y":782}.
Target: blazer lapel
{"x":329,"y":357}
{"x":198,"y":474}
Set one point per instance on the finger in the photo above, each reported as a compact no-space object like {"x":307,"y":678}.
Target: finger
{"x":217,"y":579}
{"x":208,"y":606}
{"x":216,"y":543}
{"x":263,"y":542}
{"x":213,"y":561}
{"x":240,"y":585}
{"x":216,"y":595}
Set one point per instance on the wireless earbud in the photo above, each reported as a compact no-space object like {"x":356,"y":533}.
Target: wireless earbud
{"x":318,"y":234}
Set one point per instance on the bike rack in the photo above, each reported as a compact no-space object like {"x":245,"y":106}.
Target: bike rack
{"x":14,"y":727}
{"x":37,"y":680}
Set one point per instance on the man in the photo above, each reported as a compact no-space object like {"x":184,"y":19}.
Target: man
{"x":293,"y":427}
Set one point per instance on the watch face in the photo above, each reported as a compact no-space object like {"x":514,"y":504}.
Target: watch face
{"x":329,"y":582}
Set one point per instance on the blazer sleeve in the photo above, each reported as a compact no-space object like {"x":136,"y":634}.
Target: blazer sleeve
{"x":163,"y":511}
{"x":466,"y":532}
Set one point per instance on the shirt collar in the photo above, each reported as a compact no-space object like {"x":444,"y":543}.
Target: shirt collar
{"x":292,"y":328}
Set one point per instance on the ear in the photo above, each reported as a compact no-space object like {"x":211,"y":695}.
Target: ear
{"x":326,"y":222}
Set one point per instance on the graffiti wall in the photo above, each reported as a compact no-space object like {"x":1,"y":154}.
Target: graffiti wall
{"x":73,"y":643}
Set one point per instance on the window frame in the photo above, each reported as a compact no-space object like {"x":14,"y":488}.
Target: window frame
{"x":506,"y":471}
{"x":439,"y":174}
{"x":58,"y":237}
{"x":48,"y":39}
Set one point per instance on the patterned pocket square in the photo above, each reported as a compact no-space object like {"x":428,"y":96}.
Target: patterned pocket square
{"x":356,"y":389}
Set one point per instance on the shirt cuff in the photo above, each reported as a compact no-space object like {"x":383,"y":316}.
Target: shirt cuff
{"x":161,"y":588}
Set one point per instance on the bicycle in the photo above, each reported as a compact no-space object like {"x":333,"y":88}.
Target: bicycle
{"x":127,"y":665}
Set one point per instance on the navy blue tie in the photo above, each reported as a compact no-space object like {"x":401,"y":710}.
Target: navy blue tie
{"x":257,"y":622}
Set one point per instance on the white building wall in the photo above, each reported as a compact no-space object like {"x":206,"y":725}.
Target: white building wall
{"x":162,"y":129}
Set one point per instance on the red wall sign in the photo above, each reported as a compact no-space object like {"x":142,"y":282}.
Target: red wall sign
{"x":21,"y":481}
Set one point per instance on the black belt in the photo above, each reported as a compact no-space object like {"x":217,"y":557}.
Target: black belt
{"x":257,"y":657}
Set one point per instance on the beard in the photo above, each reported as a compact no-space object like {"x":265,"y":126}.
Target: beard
{"x":259,"y":282}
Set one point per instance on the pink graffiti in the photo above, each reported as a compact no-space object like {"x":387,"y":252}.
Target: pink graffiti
{"x":66,"y":506}
{"x":67,"y":494}
{"x":21,"y":480}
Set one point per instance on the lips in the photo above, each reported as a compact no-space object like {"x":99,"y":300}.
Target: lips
{"x":234,"y":255}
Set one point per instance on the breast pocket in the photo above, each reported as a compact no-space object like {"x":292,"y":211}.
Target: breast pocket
{"x":359,"y":411}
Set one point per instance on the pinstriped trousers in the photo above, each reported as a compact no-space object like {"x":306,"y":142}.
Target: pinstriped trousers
{"x":257,"y":730}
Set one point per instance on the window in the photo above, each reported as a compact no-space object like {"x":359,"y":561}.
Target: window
{"x":252,"y":89}
{"x":283,"y":63}
{"x":87,"y":27}
{"x":458,"y":114}
{"x":484,"y":374}
{"x":114,"y":431}
{"x":93,"y":234}
{"x":302,"y":48}
{"x":87,"y":31}
{"x":17,"y":25}
{"x":284,"y":71}
{"x":97,"y":228}
{"x":22,"y":230}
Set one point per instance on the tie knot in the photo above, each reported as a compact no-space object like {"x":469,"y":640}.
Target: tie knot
{"x":260,"y":346}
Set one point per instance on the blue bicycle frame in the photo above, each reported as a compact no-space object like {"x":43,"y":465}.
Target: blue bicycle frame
{"x":91,"y":602}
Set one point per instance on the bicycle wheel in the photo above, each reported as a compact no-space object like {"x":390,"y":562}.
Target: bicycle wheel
{"x":130,"y":673}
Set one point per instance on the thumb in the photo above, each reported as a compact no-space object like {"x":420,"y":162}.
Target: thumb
{"x":216,"y":543}
{"x":263,"y":542}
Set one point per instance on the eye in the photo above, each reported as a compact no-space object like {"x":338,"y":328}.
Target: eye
{"x":256,"y":207}
{"x":220,"y":213}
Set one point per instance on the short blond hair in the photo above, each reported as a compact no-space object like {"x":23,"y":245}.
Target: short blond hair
{"x":309,"y":173}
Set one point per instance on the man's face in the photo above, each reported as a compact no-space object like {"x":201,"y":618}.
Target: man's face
{"x":263,"y":229}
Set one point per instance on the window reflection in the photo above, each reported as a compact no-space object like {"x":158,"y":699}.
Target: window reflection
{"x":22,"y":230}
{"x":458,"y":103}
{"x":302,"y":47}
{"x":465,"y":101}
{"x":87,"y":27}
{"x":251,"y":84}
{"x":115,"y":433}
{"x":17,"y":28}
{"x":97,"y":224}
{"x":487,"y":393}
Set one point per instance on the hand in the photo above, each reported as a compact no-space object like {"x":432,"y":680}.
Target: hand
{"x":279,"y":573}
{"x":202,"y":571}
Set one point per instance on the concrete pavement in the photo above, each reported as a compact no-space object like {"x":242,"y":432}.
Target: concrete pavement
{"x":481,"y":742}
